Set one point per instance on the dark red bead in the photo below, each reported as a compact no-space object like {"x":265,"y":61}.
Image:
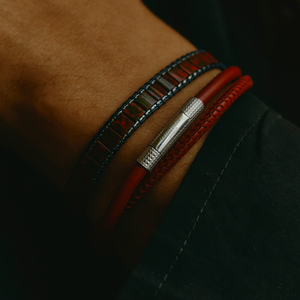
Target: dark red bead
{"x":156,"y":91}
{"x":197,"y":60}
{"x":188,"y":67}
{"x":121,"y":124}
{"x":145,"y":101}
{"x":205,"y":58}
{"x":99,"y":152}
{"x":178,"y":74}
{"x":167,"y":82}
{"x":110,"y":138}
{"x":133,"y":111}
{"x":208,"y":57}
{"x":152,"y":94}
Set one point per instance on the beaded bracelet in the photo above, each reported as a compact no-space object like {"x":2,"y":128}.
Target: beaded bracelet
{"x":130,"y":116}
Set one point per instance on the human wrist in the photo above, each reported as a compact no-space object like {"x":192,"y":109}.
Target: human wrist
{"x":62,"y":101}
{"x":67,"y":94}
{"x":122,"y":162}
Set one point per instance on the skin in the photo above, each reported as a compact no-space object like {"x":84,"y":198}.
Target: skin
{"x":66,"y":66}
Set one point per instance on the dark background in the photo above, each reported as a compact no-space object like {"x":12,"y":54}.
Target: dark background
{"x":262,"y":37}
{"x":43,"y":252}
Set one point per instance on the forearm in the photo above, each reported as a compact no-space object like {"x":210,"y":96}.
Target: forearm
{"x":64,"y":79}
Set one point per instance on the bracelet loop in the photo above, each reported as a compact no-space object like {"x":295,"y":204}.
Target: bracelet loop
{"x":130,"y":116}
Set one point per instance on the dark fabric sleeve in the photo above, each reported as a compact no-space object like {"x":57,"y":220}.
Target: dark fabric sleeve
{"x":232,"y":229}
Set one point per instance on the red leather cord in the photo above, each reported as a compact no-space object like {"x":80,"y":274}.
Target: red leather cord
{"x":102,"y":230}
{"x":106,"y":224}
{"x":127,"y":118}
{"x":191,"y":137}
{"x":218,"y":83}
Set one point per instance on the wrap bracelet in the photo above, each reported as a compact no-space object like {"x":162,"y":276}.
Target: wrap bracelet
{"x":104,"y":227}
{"x":130,"y":116}
{"x":190,"y":138}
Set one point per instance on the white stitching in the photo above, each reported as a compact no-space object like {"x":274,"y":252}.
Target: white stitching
{"x":205,"y":203}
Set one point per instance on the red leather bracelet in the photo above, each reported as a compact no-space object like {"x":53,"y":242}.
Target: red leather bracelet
{"x":191,"y":137}
{"x":130,"y":116}
{"x":106,"y":224}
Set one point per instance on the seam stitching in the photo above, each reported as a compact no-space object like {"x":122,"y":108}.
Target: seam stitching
{"x":204,"y":205}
